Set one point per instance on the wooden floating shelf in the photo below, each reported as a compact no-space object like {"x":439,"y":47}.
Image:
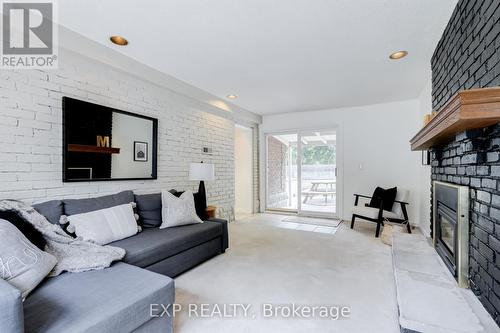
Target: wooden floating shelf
{"x":92,"y":149}
{"x":468,"y":109}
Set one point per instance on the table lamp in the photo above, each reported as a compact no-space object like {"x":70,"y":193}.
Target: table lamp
{"x":202,"y":172}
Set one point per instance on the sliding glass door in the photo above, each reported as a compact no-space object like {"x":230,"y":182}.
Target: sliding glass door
{"x":318,"y":169}
{"x":301,"y":172}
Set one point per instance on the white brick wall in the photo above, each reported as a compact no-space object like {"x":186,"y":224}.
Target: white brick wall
{"x":31,"y":132}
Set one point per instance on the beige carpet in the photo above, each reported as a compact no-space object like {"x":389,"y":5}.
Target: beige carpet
{"x":266,"y":264}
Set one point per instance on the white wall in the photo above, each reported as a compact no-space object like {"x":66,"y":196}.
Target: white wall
{"x":243,"y":169}
{"x":31,"y":131}
{"x":125,"y":130}
{"x":425,"y":101}
{"x":374,"y":136}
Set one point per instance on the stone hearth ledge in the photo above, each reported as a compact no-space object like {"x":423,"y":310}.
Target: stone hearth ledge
{"x":429,"y":299}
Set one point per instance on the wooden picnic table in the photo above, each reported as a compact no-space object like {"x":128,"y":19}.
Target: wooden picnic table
{"x":320,"y":187}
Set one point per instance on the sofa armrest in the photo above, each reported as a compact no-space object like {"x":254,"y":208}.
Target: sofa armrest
{"x":225,"y":234}
{"x":11,"y":309}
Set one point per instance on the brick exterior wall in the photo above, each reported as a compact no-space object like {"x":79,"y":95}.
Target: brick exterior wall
{"x":276,"y":164}
{"x":468,"y":56}
{"x":31,"y":132}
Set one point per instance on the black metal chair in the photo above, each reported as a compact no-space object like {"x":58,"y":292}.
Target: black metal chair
{"x":398,"y":214}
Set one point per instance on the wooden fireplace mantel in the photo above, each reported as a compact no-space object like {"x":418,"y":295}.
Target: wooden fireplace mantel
{"x":468,"y":109}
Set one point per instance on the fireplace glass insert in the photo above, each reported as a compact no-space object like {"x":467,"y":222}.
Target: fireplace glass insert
{"x":451,"y":228}
{"x":447,"y":233}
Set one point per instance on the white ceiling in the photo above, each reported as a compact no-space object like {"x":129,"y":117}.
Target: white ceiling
{"x":276,"y":55}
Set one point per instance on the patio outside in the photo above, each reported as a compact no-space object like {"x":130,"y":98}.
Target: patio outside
{"x":318,"y":165}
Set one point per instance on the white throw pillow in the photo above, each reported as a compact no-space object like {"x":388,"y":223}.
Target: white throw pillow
{"x":106,"y":225}
{"x":22,"y":264}
{"x":178,"y":211}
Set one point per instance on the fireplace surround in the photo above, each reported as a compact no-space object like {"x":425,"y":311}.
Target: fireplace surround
{"x":468,"y":57}
{"x":451,"y":228}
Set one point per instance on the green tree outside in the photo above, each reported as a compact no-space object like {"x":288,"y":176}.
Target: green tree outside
{"x":315,"y":155}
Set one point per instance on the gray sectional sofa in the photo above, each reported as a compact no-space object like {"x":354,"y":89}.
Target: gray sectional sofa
{"x":117,"y":299}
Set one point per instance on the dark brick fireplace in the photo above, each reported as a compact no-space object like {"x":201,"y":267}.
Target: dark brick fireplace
{"x":468,"y":56}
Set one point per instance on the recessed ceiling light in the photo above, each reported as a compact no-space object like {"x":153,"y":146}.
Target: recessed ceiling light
{"x":232,"y":96}
{"x":118,"y":40}
{"x":398,"y":55}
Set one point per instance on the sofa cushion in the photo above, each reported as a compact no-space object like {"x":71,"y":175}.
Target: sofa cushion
{"x":116,"y":299}
{"x":11,"y":308}
{"x":149,"y":209}
{"x":52,"y":210}
{"x":79,"y":206}
{"x":154,"y":245}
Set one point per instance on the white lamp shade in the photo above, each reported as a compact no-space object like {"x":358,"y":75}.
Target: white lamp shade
{"x":201,"y":171}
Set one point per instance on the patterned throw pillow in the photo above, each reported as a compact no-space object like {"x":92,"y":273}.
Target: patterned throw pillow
{"x":178,"y":211}
{"x":22,"y":264}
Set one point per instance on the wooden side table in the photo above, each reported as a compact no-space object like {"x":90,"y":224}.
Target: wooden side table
{"x":211,"y":211}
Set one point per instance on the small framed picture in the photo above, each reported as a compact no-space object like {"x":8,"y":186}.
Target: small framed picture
{"x":140,"y":151}
{"x":426,"y":157}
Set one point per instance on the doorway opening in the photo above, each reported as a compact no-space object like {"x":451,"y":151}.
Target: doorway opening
{"x":243,"y":170}
{"x":301,"y":173}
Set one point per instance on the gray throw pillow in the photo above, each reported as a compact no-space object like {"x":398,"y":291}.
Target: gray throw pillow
{"x":22,"y":264}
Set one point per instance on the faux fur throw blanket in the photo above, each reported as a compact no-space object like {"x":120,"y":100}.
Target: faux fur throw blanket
{"x":73,"y":254}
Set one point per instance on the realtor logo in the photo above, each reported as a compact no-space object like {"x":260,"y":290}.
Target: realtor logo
{"x":28,"y":35}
